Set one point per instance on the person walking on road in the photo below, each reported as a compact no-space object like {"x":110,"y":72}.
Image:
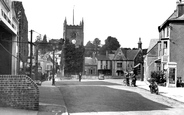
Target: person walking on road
{"x":133,"y":80}
{"x":80,"y":76}
{"x":127,"y":78}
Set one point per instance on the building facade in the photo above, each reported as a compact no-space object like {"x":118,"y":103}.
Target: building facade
{"x":22,"y":36}
{"x":151,"y":59}
{"x":171,"y":45}
{"x":90,"y":68}
{"x":8,"y":38}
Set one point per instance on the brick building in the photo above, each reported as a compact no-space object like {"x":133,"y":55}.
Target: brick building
{"x":23,"y":35}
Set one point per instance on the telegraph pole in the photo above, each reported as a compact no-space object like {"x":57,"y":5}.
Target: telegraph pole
{"x":31,"y":53}
{"x":53,"y":71}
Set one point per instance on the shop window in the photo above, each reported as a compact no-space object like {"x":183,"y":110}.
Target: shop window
{"x":171,"y":75}
{"x":106,"y":64}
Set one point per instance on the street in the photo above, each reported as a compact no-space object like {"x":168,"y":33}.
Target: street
{"x":102,"y":97}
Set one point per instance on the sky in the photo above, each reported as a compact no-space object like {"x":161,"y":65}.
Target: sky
{"x":126,"y":20}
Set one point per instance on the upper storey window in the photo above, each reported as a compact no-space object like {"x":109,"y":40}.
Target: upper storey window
{"x":166,"y":32}
{"x":165,"y":48}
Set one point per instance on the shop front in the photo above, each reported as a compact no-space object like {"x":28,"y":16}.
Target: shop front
{"x":171,"y":74}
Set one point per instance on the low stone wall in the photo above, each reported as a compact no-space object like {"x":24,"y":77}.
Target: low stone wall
{"x":18,"y":91}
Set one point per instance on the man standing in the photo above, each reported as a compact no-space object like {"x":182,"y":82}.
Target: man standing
{"x":80,"y":76}
{"x":127,"y":78}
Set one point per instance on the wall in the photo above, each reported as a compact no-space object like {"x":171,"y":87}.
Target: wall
{"x":5,"y":51}
{"x":88,"y":69}
{"x":177,"y":47}
{"x":18,"y":92}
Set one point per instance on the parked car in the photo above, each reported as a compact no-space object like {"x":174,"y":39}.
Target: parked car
{"x":101,"y":77}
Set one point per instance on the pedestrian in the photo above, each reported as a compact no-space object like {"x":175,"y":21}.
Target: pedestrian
{"x":80,"y":76}
{"x":134,"y":80}
{"x":127,"y":78}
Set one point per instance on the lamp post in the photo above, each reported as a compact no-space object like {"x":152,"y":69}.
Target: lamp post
{"x":55,"y":46}
{"x":53,"y":72}
{"x":62,"y":56}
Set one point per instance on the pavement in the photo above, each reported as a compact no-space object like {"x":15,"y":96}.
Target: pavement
{"x":176,"y":93}
{"x":51,"y":106}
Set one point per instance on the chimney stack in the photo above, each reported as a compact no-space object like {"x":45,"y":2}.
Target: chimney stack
{"x":180,"y":8}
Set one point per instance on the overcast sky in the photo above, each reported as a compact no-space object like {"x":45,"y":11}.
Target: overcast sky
{"x":127,"y":20}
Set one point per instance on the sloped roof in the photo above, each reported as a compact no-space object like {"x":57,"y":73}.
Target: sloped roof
{"x":102,"y":57}
{"x":119,"y":57}
{"x":131,"y":54}
{"x":153,"y":42}
{"x":111,"y":56}
{"x":90,"y":61}
{"x":173,"y":17}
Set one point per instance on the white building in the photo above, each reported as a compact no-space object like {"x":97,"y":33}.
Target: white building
{"x":8,"y":38}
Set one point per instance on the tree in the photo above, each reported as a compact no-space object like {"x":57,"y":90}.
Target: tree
{"x":111,"y":43}
{"x":89,"y":49}
{"x":74,"y":58}
{"x":96,"y":42}
{"x":44,"y":45}
{"x":92,"y":47}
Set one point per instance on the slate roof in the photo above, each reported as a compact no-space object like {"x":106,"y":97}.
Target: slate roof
{"x":128,"y":53}
{"x":131,"y":54}
{"x":173,"y":17}
{"x":111,"y":56}
{"x":90,"y":61}
{"x":102,"y":57}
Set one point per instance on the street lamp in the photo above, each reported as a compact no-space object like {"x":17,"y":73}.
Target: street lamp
{"x":62,"y":42}
{"x":55,"y":46}
{"x":53,"y":72}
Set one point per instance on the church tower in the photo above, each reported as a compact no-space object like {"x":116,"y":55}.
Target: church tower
{"x":72,"y":59}
{"x":74,"y":33}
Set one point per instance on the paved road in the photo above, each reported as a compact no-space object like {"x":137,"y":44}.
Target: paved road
{"x":103,"y":98}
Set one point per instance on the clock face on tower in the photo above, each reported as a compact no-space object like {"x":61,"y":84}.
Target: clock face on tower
{"x":73,"y":36}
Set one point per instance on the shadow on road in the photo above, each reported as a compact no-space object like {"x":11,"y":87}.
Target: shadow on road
{"x":85,"y":97}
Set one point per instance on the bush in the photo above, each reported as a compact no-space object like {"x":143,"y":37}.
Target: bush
{"x":158,"y":76}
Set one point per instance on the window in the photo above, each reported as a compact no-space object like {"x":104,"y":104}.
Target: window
{"x":119,"y":65}
{"x":163,"y":33}
{"x":106,"y":64}
{"x":166,"y":32}
{"x":165,"y":48}
{"x":101,"y":64}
